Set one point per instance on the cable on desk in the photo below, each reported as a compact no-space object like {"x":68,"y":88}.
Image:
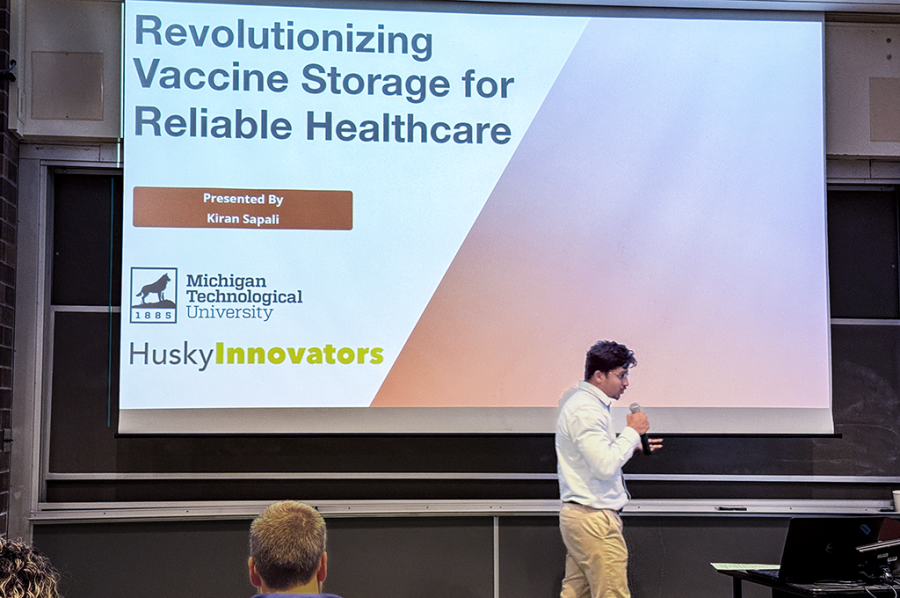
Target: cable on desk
{"x":892,"y":587}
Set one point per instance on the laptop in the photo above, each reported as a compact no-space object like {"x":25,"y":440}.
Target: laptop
{"x":823,"y":549}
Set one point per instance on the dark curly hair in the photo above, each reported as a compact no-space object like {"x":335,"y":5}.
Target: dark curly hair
{"x":25,"y":573}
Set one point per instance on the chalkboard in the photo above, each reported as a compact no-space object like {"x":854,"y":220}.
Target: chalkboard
{"x":86,"y":266}
{"x":438,"y":557}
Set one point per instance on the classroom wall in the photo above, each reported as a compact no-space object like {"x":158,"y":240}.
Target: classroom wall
{"x":65,"y":48}
{"x":862,"y":68}
{"x":9,"y":148}
{"x":438,"y":557}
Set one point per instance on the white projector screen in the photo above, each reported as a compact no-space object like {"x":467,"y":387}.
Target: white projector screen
{"x":385,"y":221}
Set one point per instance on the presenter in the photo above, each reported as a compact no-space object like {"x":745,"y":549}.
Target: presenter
{"x":287,"y":552}
{"x":590,"y":459}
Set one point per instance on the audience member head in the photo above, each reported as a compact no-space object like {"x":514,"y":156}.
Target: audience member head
{"x":287,"y":549}
{"x":24,"y":572}
{"x":605,"y":356}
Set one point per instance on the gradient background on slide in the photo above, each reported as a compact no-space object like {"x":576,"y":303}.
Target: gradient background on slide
{"x":679,"y":211}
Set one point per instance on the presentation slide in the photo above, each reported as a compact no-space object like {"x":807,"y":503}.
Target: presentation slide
{"x":391,"y":221}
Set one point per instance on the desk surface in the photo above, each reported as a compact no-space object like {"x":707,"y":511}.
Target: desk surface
{"x":830,"y":590}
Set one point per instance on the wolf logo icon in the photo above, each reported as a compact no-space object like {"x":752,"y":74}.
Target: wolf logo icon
{"x":154,"y":283}
{"x":157,"y":287}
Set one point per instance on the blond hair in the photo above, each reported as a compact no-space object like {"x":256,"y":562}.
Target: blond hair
{"x":287,"y":542}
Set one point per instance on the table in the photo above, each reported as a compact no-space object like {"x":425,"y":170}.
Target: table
{"x":816,"y":590}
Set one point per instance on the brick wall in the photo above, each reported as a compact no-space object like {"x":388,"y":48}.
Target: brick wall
{"x":9,"y":167}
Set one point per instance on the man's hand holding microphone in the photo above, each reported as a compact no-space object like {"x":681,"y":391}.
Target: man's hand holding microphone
{"x":637,"y":421}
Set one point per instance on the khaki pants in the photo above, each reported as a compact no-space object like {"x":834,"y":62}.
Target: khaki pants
{"x":596,"y":559}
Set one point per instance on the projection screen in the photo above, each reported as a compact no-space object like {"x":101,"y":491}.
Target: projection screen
{"x":393,"y":221}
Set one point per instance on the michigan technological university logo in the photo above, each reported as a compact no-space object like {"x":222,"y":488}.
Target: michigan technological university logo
{"x":154,"y":294}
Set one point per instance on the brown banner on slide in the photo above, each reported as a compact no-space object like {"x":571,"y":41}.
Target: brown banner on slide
{"x":264,"y":209}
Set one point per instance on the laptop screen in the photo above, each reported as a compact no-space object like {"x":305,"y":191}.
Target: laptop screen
{"x":823,"y":549}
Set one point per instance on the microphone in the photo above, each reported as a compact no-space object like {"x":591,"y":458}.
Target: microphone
{"x":645,"y":443}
